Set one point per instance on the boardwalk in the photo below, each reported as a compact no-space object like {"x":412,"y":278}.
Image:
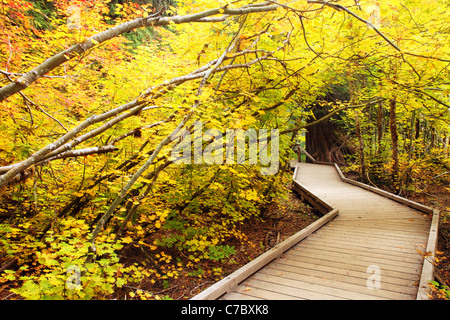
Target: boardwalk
{"x":369,"y":250}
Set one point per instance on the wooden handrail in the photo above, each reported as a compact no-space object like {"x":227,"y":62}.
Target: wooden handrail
{"x":230,"y":282}
{"x":427,"y":273}
{"x":306,"y":154}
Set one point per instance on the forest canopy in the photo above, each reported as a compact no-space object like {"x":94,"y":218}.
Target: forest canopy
{"x":96,"y":97}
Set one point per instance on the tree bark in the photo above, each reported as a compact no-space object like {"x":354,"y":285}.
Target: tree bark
{"x":361,"y":146}
{"x":69,"y":140}
{"x":151,"y":21}
{"x":325,"y":140}
{"x":380,"y":128}
{"x":394,"y":139}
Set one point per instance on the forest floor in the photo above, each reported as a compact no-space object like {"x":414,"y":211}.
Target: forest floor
{"x":284,"y":218}
{"x":438,"y":197}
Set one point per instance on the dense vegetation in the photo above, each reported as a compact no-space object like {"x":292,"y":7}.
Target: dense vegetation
{"x":88,"y":177}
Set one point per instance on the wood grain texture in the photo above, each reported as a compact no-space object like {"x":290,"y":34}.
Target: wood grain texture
{"x":376,"y":236}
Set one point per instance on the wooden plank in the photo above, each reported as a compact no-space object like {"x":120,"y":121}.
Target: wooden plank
{"x":306,"y":154}
{"x":400,"y":230}
{"x":262,"y":293}
{"x":315,"y":290}
{"x":403,"y":227}
{"x":355,"y":255}
{"x":314,"y":200}
{"x":381,"y":253}
{"x":354,"y":277}
{"x":370,"y":209}
{"x":294,"y":176}
{"x":374,"y":219}
{"x":289,"y":290}
{"x":378,"y":242}
{"x":377,"y":212}
{"x":341,"y":287}
{"x":375,"y":252}
{"x":239,"y":296}
{"x":232,"y":281}
{"x":407,"y":224}
{"x":411,"y":250}
{"x":357,"y":259}
{"x":375,"y":234}
{"x":336,"y":234}
{"x":349,"y":271}
{"x":410,"y":274}
{"x":367,"y":246}
{"x":427,"y":273}
{"x":411,"y":246}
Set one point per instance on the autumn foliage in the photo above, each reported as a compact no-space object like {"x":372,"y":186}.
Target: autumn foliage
{"x":98,"y":184}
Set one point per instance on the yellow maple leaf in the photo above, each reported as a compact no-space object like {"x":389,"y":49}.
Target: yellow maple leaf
{"x":127,"y":239}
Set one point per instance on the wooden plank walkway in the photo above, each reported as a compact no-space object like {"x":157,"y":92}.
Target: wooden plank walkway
{"x":369,"y":250}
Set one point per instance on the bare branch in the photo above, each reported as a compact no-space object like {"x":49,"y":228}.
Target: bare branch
{"x":84,"y":152}
{"x":134,"y":131}
{"x":72,"y":154}
{"x":164,"y":142}
{"x":341,"y":7}
{"x":81,"y":48}
{"x":329,"y":115}
{"x":28,"y":100}
{"x":134,"y":107}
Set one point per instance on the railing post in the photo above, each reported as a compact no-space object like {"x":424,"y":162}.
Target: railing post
{"x":299,"y":154}
{"x":300,"y":149}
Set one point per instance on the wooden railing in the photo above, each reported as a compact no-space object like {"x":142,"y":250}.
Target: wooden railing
{"x":427,"y":274}
{"x":230,"y":282}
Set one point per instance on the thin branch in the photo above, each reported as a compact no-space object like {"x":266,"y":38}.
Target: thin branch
{"x":134,"y":131}
{"x":340,"y":7}
{"x":84,"y":152}
{"x":28,"y":100}
{"x":426,"y":57}
{"x":29,"y":112}
{"x":71,"y":154}
{"x":82,"y":48}
{"x":282,"y":101}
{"x":304,"y":35}
{"x":154,"y":154}
{"x":228,"y":49}
{"x":45,"y":76}
{"x":432,"y":97}
{"x":10,"y":53}
{"x":134,"y":107}
{"x":329,"y":115}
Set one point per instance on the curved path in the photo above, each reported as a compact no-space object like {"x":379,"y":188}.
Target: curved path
{"x":369,"y":245}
